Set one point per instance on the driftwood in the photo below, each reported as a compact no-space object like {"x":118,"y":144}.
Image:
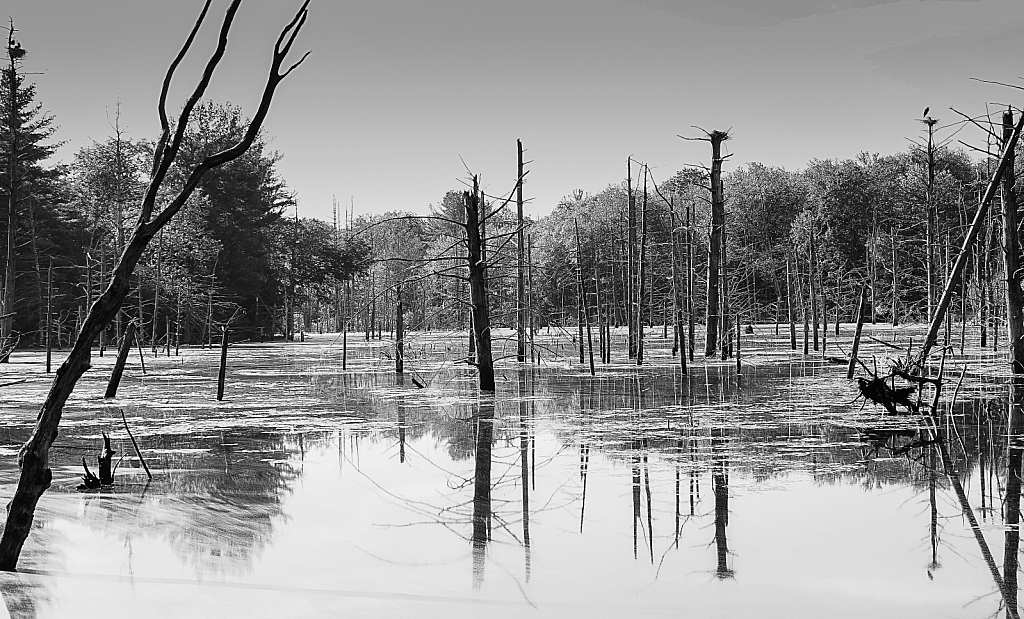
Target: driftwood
{"x":104,"y":460}
{"x":880,"y":392}
{"x":89,"y":481}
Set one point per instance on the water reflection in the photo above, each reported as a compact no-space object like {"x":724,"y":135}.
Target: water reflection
{"x":381,"y":485}
{"x":720,"y":487}
{"x":524,"y":466}
{"x":1015,"y":448}
{"x":482,"y":488}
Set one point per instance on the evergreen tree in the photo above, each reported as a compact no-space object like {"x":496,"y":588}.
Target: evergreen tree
{"x":24,"y":134}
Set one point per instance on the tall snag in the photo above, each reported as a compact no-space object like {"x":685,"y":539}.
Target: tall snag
{"x":715,"y":238}
{"x":33,"y":460}
{"x":630,"y":283}
{"x":478,"y":289}
{"x":1011,"y":263}
{"x":520,"y":270}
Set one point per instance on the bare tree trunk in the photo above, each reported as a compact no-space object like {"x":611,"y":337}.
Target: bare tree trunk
{"x":691,"y":328}
{"x":122,"y":358}
{"x":38,"y":268}
{"x":804,"y":306}
{"x":1011,"y":267}
{"x":222,"y":374}
{"x":600,"y":305}
{"x":789,"y":304}
{"x":584,"y":310}
{"x":677,"y":293}
{"x":983,"y":287}
{"x":399,"y":330}
{"x":641,"y":278}
{"x":724,"y":288}
{"x":715,"y":240}
{"x":856,"y":333}
{"x":895,"y":280}
{"x":532,"y":313}
{"x":344,"y":323}
{"x":520,"y":256}
{"x":930,"y":221}
{"x":156,"y":293}
{"x":812,"y":289}
{"x":478,"y":291}
{"x":49,"y":316}
{"x":103,"y":282}
{"x":631,"y":314}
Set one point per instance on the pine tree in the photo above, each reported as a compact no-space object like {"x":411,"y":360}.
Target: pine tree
{"x":24,"y":132}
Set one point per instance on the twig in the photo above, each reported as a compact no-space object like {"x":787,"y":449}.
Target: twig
{"x":135,"y":445}
{"x":893,"y":346}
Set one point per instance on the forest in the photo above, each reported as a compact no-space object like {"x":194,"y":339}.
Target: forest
{"x":401,"y":394}
{"x":786,"y":246}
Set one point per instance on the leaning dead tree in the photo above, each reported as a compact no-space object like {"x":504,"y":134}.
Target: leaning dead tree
{"x":33,"y":460}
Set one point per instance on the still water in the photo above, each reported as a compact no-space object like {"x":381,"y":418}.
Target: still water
{"x":313,"y":491}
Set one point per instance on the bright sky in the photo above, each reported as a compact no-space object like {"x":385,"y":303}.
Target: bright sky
{"x":397,"y":91}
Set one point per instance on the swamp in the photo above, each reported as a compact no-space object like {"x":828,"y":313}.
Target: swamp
{"x":317,"y":492}
{"x":713,"y":389}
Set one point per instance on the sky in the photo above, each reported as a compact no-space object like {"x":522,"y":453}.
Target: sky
{"x":400,"y":97}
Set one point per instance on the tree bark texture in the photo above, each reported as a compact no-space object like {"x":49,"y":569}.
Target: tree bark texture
{"x":478,"y":291}
{"x":715,"y":241}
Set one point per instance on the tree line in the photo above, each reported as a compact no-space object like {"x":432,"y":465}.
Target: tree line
{"x":233,"y":254}
{"x":707,"y":245}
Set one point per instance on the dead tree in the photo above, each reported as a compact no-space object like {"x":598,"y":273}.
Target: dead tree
{"x":715,"y":239}
{"x":641,"y":277}
{"x":399,"y":330}
{"x":33,"y":460}
{"x":677,"y":293}
{"x":122,"y":358}
{"x":520,"y":271}
{"x":930,"y":220}
{"x":478,"y":290}
{"x":1012,"y":265}
{"x":584,"y":310}
{"x":630,"y":284}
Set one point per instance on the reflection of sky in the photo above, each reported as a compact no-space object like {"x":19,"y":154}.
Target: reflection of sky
{"x":266,"y":510}
{"x":389,"y":539}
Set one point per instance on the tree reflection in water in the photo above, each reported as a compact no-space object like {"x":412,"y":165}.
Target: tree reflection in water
{"x":720,"y":487}
{"x":482,"y":487}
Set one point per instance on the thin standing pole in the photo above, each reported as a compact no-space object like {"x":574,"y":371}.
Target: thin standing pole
{"x":49,"y":313}
{"x":584,"y":310}
{"x":856,"y":334}
{"x":223,"y":362}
